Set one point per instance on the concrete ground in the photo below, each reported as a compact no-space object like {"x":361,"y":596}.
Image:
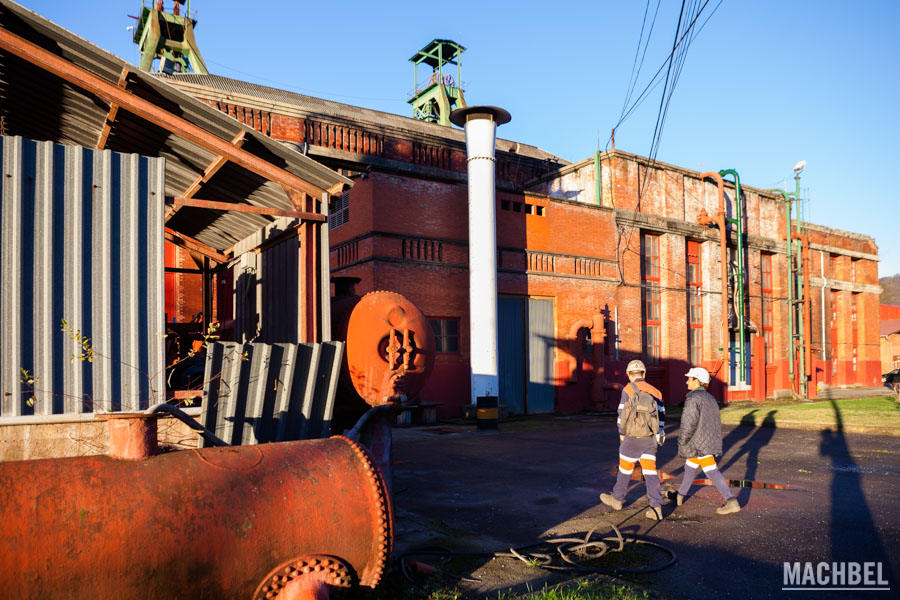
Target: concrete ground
{"x":465,"y":490}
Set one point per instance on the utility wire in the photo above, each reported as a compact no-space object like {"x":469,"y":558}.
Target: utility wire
{"x":674,"y":61}
{"x":655,"y":80}
{"x":635,"y":74}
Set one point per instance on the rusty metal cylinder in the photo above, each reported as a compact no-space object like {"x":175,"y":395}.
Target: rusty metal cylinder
{"x":390,"y":347}
{"x":209,"y":523}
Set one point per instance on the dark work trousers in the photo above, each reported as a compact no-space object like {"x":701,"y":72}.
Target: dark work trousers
{"x":708,"y":464}
{"x":632,"y":450}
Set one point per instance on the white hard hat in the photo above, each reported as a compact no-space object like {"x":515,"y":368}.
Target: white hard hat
{"x":698,"y":373}
{"x":636,"y":366}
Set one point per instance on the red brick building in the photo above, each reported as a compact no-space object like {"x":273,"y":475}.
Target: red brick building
{"x":599,"y":262}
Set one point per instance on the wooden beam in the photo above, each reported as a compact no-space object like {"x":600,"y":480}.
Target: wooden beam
{"x":113,"y":110}
{"x":247,"y":208}
{"x":213,"y":167}
{"x":298,"y":199}
{"x":207,"y":174}
{"x":145,"y":109}
{"x":189,"y":243}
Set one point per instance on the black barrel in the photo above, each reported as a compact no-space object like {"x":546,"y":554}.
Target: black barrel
{"x":487,"y":412}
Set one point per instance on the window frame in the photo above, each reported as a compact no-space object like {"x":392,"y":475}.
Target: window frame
{"x":339,"y":210}
{"x":651,"y":300}
{"x":693,"y":284}
{"x":768,"y":313}
{"x":441,"y":334}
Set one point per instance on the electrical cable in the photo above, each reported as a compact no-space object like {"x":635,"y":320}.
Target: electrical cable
{"x":633,"y":79}
{"x":569,"y":549}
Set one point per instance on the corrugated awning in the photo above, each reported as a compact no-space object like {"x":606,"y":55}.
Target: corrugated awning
{"x":224,"y":180}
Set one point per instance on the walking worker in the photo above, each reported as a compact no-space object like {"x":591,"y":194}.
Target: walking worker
{"x":700,"y":440}
{"x":641,"y":419}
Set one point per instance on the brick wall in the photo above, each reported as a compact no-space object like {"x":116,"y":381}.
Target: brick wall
{"x":408,"y":231}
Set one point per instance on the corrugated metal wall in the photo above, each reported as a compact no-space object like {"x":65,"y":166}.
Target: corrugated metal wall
{"x":268,"y":284}
{"x":257,"y":393}
{"x":541,"y":342}
{"x":82,"y":240}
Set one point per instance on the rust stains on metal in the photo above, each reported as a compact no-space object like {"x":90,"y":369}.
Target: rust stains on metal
{"x":390,"y":348}
{"x":132,"y":436}
{"x":304,"y":578}
{"x":177,"y":526}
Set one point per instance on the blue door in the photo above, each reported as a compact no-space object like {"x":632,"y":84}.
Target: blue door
{"x":525,"y":347}
{"x":511,"y":353}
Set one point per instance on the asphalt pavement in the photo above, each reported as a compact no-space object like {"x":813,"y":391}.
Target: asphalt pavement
{"x":464,"y":490}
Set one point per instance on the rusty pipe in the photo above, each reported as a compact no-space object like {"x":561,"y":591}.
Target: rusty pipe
{"x":719,"y":220}
{"x":207,"y":523}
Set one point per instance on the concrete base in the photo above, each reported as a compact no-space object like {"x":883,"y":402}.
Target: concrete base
{"x":30,"y":441}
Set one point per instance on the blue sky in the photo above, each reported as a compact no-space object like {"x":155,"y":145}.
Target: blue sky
{"x":764,"y":84}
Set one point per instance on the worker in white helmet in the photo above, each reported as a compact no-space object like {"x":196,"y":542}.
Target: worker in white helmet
{"x":640,"y":422}
{"x":700,"y":440}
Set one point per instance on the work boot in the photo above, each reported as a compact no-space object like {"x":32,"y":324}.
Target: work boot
{"x":611,"y":502}
{"x":676,"y":498}
{"x":731,"y":506}
{"x":654,"y":514}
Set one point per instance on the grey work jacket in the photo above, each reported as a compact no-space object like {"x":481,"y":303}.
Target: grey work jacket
{"x":700,"y":433}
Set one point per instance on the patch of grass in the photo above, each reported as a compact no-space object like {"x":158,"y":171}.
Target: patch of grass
{"x":877,"y":412}
{"x":586,"y":590}
{"x":395,"y":587}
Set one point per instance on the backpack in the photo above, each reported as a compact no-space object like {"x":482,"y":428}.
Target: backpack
{"x":640,"y":416}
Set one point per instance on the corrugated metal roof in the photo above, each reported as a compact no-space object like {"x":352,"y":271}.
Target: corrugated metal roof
{"x":196,"y":83}
{"x":39,"y":105}
{"x":81,"y":233}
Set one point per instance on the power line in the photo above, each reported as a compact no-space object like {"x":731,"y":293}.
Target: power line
{"x":655,"y":81}
{"x":633,"y":79}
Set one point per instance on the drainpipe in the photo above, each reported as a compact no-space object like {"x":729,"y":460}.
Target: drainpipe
{"x":719,"y":220}
{"x":616,"y":319}
{"x":822,"y":274}
{"x":790,"y":279}
{"x":739,"y":276}
{"x":481,"y":123}
{"x":804,"y":324}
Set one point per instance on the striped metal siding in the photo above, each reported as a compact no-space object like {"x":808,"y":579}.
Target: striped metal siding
{"x":541,"y":342}
{"x":82,"y":240}
{"x":267,"y":288}
{"x":268,"y":285}
{"x":258,"y":393}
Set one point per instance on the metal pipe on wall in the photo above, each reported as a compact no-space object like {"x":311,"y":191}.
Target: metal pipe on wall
{"x":790,"y":281}
{"x":739,"y":275}
{"x":723,"y":249}
{"x":822,"y":274}
{"x":481,"y":123}
{"x":805,"y":319}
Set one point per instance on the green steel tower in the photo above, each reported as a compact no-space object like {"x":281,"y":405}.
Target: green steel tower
{"x":435,"y":99}
{"x":168,"y":37}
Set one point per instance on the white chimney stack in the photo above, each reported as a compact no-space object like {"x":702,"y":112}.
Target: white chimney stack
{"x":481,"y":124}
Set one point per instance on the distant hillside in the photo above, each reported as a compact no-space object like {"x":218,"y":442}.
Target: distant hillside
{"x":891,"y":294}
